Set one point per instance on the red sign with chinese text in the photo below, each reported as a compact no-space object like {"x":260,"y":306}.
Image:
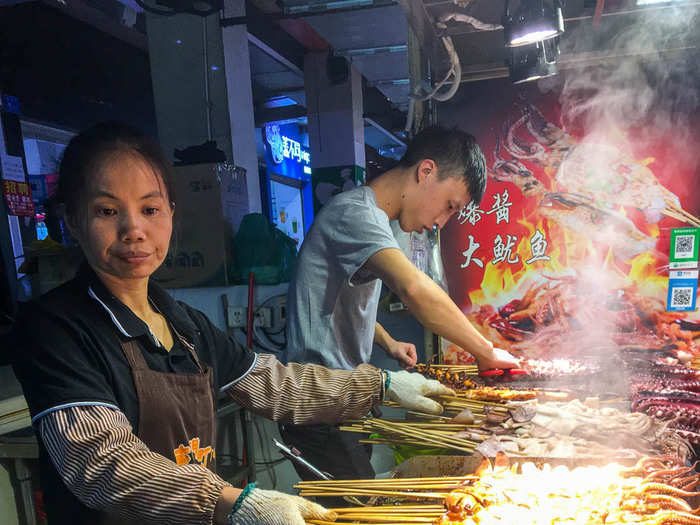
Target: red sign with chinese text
{"x":18,"y":198}
{"x":574,"y":218}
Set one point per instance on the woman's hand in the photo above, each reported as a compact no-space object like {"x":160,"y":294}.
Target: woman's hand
{"x":269,"y":507}
{"x":410,"y":390}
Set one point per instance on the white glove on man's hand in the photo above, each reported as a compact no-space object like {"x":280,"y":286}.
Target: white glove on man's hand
{"x":409,"y":390}
{"x":269,"y":507}
{"x":499,"y":358}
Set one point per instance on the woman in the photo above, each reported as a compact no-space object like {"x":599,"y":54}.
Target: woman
{"x":120,"y":378}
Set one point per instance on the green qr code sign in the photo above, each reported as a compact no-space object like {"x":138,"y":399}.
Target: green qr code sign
{"x":684,"y":248}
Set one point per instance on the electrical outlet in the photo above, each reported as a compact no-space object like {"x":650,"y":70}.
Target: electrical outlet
{"x":279,"y":312}
{"x":263,"y":317}
{"x":237,"y":316}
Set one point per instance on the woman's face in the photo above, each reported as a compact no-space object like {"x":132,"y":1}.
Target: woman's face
{"x":128,"y":220}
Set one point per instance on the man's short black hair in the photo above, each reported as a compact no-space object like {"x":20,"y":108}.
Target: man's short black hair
{"x":456,"y":154}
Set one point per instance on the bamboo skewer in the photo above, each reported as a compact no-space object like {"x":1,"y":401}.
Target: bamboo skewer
{"x":676,"y":212}
{"x":394,"y":432}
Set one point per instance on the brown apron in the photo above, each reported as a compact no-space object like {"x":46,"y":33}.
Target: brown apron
{"x":176,"y":412}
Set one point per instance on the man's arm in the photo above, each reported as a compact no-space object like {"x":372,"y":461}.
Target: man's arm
{"x":404,"y":353}
{"x":432,"y":306}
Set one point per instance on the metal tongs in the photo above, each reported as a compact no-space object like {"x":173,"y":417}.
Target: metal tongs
{"x":294,"y":455}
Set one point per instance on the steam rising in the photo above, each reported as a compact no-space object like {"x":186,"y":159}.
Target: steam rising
{"x":650,"y":79}
{"x":648,"y":83}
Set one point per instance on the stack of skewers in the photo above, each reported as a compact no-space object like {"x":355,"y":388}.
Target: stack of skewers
{"x":430,"y":493}
{"x":656,"y":490}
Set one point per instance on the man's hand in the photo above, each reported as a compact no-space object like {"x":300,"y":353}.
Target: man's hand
{"x":269,"y":507}
{"x":498,"y":359}
{"x":404,"y":353}
{"x":410,"y":390}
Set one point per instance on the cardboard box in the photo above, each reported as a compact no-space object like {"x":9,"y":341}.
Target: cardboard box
{"x":200,"y":250}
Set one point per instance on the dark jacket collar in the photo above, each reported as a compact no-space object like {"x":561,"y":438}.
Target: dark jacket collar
{"x":124,"y":319}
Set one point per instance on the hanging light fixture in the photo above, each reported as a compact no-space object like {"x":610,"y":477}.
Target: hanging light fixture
{"x":532,"y":21}
{"x":533,"y":61}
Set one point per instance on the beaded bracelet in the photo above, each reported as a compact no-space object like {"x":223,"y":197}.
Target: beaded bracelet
{"x":239,"y":501}
{"x":385,"y":386}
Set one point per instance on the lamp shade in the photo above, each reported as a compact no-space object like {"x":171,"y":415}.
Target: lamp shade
{"x":533,"y":61}
{"x":532,"y":21}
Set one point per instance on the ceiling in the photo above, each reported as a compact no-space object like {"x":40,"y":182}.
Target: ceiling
{"x":373,"y":35}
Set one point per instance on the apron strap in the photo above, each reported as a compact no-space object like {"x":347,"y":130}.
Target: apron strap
{"x":190,"y":348}
{"x":133,"y":354}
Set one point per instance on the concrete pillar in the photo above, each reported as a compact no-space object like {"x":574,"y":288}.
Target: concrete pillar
{"x":189,"y":83}
{"x":240,"y":100}
{"x":335,"y":124}
{"x":202,"y":87}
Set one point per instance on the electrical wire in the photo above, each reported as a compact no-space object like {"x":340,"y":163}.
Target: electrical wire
{"x":467,"y":19}
{"x":454,"y":73}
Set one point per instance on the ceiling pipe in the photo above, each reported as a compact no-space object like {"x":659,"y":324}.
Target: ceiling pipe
{"x":463,"y":30}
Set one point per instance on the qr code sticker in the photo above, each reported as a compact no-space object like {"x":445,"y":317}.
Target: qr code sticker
{"x":682,"y":297}
{"x":685,"y":246}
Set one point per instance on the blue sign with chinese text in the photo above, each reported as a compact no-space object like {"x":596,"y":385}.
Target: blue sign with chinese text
{"x":284,"y":152}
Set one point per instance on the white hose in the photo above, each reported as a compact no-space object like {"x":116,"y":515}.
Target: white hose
{"x":455,"y":72}
{"x":466,"y":19}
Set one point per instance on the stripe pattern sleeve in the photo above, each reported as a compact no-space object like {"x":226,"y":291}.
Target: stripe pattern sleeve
{"x":307,"y":393}
{"x":108,"y":468}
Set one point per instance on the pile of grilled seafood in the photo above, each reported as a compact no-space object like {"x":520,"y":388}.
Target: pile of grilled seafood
{"x":458,"y":377}
{"x":671,"y":393}
{"x":534,"y":428}
{"x":655,"y":491}
{"x":580,"y":429}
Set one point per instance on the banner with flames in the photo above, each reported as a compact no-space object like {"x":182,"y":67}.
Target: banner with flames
{"x":567,"y":253}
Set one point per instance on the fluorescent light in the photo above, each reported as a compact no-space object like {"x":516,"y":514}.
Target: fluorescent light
{"x":279,"y":102}
{"x":535,"y":36}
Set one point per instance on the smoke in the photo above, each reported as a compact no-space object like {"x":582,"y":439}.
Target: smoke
{"x":640,"y":88}
{"x":644,"y":77}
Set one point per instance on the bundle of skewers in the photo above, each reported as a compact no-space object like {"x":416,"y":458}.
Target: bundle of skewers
{"x":437,"y":432}
{"x":462,"y":377}
{"x":385,"y":515}
{"x":428,"y":489}
{"x":678,"y":213}
{"x":458,"y":429}
{"x":455,"y":376}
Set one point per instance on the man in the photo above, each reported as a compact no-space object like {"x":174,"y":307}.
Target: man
{"x":349,"y":250}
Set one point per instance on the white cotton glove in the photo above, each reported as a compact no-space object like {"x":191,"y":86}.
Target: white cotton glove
{"x":269,"y":507}
{"x":409,"y":390}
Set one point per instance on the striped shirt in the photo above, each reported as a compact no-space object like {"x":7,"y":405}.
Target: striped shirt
{"x":107,"y":467}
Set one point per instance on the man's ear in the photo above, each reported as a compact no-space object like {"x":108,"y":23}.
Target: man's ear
{"x":426,"y":169}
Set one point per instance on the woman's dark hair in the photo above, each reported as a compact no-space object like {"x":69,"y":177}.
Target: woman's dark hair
{"x":456,"y":154}
{"x":88,"y":152}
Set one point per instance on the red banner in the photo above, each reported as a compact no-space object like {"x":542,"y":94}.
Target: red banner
{"x":576,"y":215}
